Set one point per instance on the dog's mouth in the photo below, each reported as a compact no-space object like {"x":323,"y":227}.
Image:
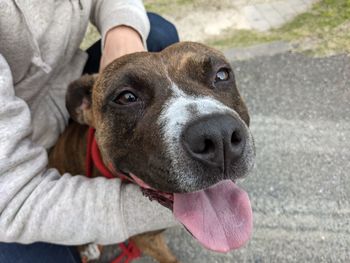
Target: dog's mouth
{"x":219,"y":217}
{"x":164,"y":198}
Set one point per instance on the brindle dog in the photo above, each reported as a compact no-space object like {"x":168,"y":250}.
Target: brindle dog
{"x":175,"y":119}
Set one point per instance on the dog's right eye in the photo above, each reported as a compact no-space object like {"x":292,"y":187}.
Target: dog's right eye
{"x":126,"y":97}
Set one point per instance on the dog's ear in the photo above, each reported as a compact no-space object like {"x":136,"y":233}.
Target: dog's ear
{"x":79,"y":99}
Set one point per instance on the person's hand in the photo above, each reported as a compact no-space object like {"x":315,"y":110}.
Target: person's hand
{"x":119,"y":41}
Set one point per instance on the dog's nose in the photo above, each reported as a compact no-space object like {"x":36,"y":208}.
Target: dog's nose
{"x":217,"y":140}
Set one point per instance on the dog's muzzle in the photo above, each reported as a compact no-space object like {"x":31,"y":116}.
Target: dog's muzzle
{"x":216,"y":141}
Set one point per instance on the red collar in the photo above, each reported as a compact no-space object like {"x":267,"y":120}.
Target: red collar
{"x":93,"y":158}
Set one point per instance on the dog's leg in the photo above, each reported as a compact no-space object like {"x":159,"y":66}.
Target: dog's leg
{"x":153,"y":245}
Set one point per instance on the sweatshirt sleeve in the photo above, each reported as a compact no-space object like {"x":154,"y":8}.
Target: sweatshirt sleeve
{"x":106,"y":14}
{"x":38,"y":204}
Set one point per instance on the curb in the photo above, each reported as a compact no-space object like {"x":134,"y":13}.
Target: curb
{"x":267,"y":49}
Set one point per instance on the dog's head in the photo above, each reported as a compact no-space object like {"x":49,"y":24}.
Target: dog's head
{"x":175,"y":118}
{"x":174,"y":121}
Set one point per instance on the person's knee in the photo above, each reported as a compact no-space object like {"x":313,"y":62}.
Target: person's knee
{"x":162,"y":34}
{"x":172,"y":35}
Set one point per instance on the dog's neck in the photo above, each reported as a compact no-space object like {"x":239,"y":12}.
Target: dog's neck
{"x":69,"y":153}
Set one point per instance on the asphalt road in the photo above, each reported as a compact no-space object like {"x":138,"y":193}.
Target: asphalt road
{"x":300,"y":188}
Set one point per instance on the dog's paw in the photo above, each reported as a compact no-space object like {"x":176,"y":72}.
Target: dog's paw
{"x":90,"y":252}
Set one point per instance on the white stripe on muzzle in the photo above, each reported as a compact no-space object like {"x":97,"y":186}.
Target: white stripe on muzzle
{"x":177,"y":112}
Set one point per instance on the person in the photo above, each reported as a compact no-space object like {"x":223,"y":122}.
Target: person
{"x":43,"y":213}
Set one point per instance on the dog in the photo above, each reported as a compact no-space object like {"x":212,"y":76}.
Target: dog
{"x":174,"y":122}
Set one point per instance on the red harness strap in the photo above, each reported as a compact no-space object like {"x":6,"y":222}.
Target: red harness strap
{"x":129,"y":250}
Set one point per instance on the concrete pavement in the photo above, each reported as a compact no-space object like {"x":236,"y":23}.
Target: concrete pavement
{"x":205,"y":19}
{"x":300,"y":189}
{"x":264,"y":15}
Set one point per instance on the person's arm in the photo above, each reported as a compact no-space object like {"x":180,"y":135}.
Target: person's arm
{"x":124,"y":27}
{"x":38,"y":204}
{"x":120,"y":40}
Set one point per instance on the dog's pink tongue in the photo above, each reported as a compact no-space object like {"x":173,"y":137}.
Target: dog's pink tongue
{"x":219,"y":217}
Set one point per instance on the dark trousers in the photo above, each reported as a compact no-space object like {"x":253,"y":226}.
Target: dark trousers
{"x":162,"y":34}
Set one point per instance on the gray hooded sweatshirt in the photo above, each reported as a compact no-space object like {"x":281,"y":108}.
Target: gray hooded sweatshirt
{"x":39,"y":56}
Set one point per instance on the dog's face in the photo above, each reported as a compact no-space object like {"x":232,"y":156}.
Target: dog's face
{"x":175,"y":119}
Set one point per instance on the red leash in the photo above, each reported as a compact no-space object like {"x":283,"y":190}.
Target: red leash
{"x":129,"y":250}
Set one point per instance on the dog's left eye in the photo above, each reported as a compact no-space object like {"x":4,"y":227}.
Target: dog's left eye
{"x":222,"y":75}
{"x":126,"y":97}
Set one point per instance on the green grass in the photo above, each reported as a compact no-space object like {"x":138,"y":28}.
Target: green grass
{"x":91,"y":36}
{"x":240,"y":38}
{"x":324,"y":29}
{"x":166,"y":6}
